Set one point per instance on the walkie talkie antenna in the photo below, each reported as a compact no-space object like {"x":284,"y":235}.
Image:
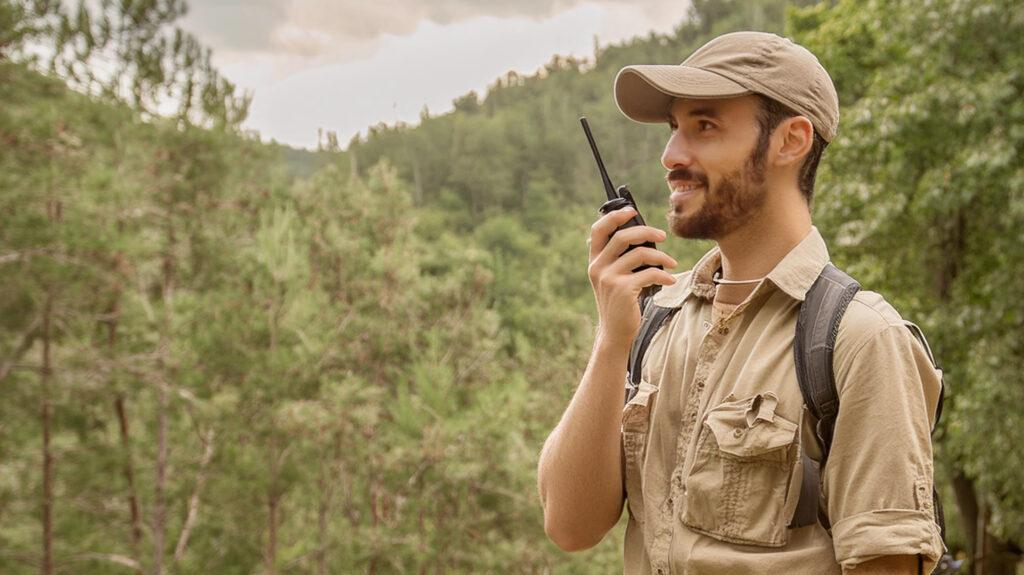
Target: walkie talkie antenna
{"x":608,"y":187}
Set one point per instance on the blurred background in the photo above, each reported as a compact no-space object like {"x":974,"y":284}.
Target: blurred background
{"x":300,"y":287}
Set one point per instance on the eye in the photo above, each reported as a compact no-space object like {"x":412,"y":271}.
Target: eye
{"x":672,"y":126}
{"x":704,"y":125}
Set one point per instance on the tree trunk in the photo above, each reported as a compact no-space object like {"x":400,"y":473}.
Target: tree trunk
{"x":163,"y":397}
{"x":127,"y":466}
{"x":272,"y":502}
{"x":46,"y":415}
{"x":134,"y":516}
{"x":159,"y":504}
{"x":326,"y":486}
{"x":417,"y":178}
{"x":989,"y":555}
{"x":323,"y":486}
{"x":967,"y":503}
{"x":992,"y":556}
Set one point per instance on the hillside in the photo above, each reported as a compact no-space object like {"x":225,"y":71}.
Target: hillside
{"x":225,"y":356}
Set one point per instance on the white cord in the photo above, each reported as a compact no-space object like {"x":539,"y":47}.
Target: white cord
{"x":717,"y":279}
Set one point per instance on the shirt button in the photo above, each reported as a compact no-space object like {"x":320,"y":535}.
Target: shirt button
{"x":737,"y":432}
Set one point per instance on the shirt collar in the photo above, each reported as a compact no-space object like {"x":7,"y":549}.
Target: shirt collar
{"x":794,"y":273}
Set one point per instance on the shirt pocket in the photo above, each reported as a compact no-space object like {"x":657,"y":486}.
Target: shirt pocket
{"x":636,"y":424}
{"x":737,"y":487}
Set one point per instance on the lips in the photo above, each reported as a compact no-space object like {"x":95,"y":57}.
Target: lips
{"x":681,"y":193}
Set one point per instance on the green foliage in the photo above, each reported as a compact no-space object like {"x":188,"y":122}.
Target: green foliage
{"x":348,"y":361}
{"x":129,"y":51}
{"x":923,"y":193}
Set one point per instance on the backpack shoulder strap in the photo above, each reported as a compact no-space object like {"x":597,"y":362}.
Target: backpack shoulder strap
{"x":816,"y":329}
{"x":653,"y":317}
{"x":813,"y":346}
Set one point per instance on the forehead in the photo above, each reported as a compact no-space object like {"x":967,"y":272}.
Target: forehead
{"x":738,"y":108}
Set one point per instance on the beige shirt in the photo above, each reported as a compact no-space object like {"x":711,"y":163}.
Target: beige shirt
{"x":712,"y":441}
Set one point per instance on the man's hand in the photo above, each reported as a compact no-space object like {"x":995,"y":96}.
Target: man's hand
{"x":616,"y":287}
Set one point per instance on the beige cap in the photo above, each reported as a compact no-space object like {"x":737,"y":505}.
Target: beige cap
{"x":733,"y":65}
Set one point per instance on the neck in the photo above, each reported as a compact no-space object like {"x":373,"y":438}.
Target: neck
{"x":753,"y":250}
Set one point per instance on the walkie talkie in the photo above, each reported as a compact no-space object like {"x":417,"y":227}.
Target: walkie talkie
{"x":617,"y":199}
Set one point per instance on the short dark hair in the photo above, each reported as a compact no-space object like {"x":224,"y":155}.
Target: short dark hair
{"x":769,"y":116}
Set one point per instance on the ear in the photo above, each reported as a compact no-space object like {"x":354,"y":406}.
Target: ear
{"x":794,"y":137}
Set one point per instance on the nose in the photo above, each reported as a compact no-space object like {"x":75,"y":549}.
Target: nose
{"x":677,"y":153}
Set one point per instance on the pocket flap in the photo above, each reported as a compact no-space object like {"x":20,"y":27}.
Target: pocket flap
{"x":747,"y":428}
{"x":636,"y":414}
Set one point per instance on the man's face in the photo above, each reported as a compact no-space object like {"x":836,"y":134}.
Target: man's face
{"x":716,"y":166}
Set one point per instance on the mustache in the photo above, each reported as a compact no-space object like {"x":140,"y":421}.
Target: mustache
{"x":685,"y":175}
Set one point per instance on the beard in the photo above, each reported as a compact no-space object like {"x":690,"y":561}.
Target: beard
{"x":727,"y":206}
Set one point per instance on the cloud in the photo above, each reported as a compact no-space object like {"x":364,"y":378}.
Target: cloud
{"x":237,"y":25}
{"x":348,"y":29}
{"x":429,"y":67}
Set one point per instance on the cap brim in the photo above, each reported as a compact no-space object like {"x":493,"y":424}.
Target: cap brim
{"x":644,"y":93}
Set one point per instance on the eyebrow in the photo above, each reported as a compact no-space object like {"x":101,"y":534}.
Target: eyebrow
{"x":706,"y":111}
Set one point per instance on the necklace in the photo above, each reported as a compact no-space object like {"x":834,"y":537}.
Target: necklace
{"x":718,"y":280}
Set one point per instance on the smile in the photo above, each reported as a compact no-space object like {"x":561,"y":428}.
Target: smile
{"x":680,"y":193}
{"x":689,"y":188}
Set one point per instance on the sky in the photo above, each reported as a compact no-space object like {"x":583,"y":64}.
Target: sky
{"x":344,"y":65}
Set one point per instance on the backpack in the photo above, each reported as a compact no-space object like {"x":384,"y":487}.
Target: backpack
{"x":816,"y":329}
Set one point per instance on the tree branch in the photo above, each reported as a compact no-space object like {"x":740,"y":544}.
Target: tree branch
{"x":27,"y":339}
{"x":193,"y":502}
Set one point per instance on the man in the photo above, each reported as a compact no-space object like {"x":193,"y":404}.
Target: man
{"x":707,"y":453}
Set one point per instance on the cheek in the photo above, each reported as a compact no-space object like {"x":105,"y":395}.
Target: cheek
{"x":717,"y":152}
{"x":722,"y":160}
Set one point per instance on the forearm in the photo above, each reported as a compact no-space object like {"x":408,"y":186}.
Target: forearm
{"x":580,"y":475}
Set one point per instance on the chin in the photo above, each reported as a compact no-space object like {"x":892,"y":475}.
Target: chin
{"x":699,"y":226}
{"x":686,"y":229}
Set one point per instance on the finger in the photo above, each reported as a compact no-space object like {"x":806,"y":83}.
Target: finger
{"x":642,"y":256}
{"x":604,"y":227}
{"x":633,"y":236}
{"x":651,"y":276}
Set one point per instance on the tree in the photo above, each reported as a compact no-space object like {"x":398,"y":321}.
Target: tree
{"x":924,"y":192}
{"x":129,"y":51}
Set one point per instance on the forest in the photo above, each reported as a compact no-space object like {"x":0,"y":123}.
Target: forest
{"x":227,"y":356}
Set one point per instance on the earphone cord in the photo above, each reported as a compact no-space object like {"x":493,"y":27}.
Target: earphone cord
{"x":717,"y":279}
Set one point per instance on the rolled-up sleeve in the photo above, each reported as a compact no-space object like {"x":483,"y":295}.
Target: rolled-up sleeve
{"x":878,"y":478}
